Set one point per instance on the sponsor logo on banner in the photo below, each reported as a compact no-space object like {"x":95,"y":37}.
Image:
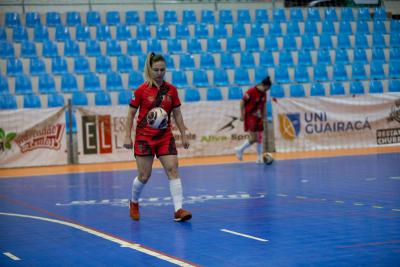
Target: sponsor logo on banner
{"x":391,"y":135}
{"x":96,"y":132}
{"x":289,"y":125}
{"x":395,"y":112}
{"x":6,"y":139}
{"x":48,"y":137}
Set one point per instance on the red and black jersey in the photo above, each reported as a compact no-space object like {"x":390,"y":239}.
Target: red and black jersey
{"x":147,"y":97}
{"x":254,"y":102}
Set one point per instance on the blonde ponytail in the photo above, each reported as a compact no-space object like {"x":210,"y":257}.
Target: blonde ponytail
{"x":150,"y":60}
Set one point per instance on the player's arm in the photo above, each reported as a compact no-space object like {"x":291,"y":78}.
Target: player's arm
{"x":128,"y":127}
{"x":181,"y":126}
{"x":241,"y":110}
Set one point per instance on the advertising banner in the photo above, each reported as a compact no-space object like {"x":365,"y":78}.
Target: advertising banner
{"x":321,"y":123}
{"x":213,"y":129}
{"x":32,"y":137}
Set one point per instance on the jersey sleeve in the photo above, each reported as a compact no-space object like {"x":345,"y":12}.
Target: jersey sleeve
{"x":176,"y":102}
{"x":136,"y":98}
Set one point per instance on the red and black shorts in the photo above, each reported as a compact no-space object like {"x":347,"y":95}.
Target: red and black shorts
{"x":253,"y":124}
{"x":159,"y":145}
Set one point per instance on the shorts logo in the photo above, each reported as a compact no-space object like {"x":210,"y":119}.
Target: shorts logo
{"x":289,"y":125}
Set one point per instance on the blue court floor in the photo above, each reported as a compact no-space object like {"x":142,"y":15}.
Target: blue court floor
{"x":341,"y":211}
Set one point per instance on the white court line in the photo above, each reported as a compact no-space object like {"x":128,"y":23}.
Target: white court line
{"x":244,"y":235}
{"x":121,"y":242}
{"x":11,"y":256}
{"x":395,"y":177}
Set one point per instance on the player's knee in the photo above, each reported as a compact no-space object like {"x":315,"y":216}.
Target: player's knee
{"x":172,"y":172}
{"x":144,"y":176}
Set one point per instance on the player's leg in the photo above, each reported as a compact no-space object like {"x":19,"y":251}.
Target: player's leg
{"x":239,"y":150}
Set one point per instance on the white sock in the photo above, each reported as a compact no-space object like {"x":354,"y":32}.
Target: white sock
{"x":259,"y":150}
{"x":137,"y":187}
{"x":245,"y":145}
{"x":175,"y":186}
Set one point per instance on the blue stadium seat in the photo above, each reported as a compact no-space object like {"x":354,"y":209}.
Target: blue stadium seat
{"x":235,"y":93}
{"x":278,"y":14}
{"x":324,"y":57}
{"x":394,"y":71}
{"x":14,"y":66}
{"x":266,"y":59}
{"x":282,"y":74}
{"x":170,"y":16}
{"x":320,"y":73}
{"x":207,"y":61}
{"x":361,"y":41}
{"x":310,"y":27}
{"x":380,"y":13}
{"x":214,"y":45}
{"x":307,"y":42}
{"x":301,"y":74}
{"x":362,"y":27}
{"x":36,"y":66}
{"x":91,"y":82}
{"x":81,"y":65}
{"x":214,"y":94}
{"x":46,"y":84}
{"x":317,"y":89}
{"x":103,"y":32}
{"x":186,"y":61}
{"x":113,"y":18}
{"x":251,"y":44}
{"x":378,"y":40}
{"x":135,"y":79}
{"x":297,"y":90}
{"x":220,"y":77}
{"x":275,"y":29}
{"x":225,"y":16}
{"x":12,"y":19}
{"x":200,"y":78}
{"x":325,"y":41}
{"x":345,"y":27}
{"x":102,"y":98}
{"x":31,"y":101}
{"x":394,"y":25}
{"x":261,"y":15}
{"x":114,"y":82}
{"x":285,"y":58}
{"x":113,"y":48}
{"x":40,"y":33}
{"x":7,"y":50}
{"x":182,"y":31}
{"x":343,"y":41}
{"x":377,"y":71}
{"x":247,"y":60}
{"x":394,"y":54}
{"x":73,"y":18}
{"x":277,"y":91}
{"x":189,"y":16}
{"x":3,"y":34}
{"x":103,"y":64}
{"x":207,"y":16}
{"x":32,"y":19}
{"x":394,"y":86}
{"x":93,"y":18}
{"x":238,"y":30}
{"x":134,"y":47}
{"x":341,"y":56}
{"x":271,"y":43}
{"x":257,"y":29}
{"x":347,"y":14}
{"x":375,"y":87}
{"x":330,"y":14}
{"x":124,"y":64}
{"x":141,"y":61}
{"x":62,"y":33}
{"x":179,"y":78}
{"x":59,"y":65}
{"x":8,"y":101}
{"x":151,"y":17}
{"x":378,"y":55}
{"x":379,"y":26}
{"x":68,"y":83}
{"x":313,"y":14}
{"x":192,"y":95}
{"x":82,"y":33}
{"x":55,"y":100}
{"x":227,"y":60}
{"x":356,"y":88}
{"x":154,"y":45}
{"x":20,"y":33}
{"x":289,"y":42}
{"x":174,"y":46}
{"x":243,"y":16}
{"x":201,"y":31}
{"x":93,"y":48}
{"x":337,"y":88}
{"x":124,"y":97}
{"x":53,"y":18}
{"x":363,"y":14}
{"x":241,"y":76}
{"x":360,"y":56}
{"x":304,"y":57}
{"x":296,"y":14}
{"x":132,"y":17}
{"x":79,"y":98}
{"x":143,"y":32}
{"x":4,"y":85}
{"x":194,"y":45}
{"x":49,"y":49}
{"x":169,"y":62}
{"x":260,"y":73}
{"x":220,"y":31}
{"x":293,"y":28}
{"x":162,"y":31}
{"x":340,"y":72}
{"x":328,"y":28}
{"x":123,"y":32}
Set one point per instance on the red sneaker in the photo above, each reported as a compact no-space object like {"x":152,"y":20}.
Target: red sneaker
{"x":182,"y":215}
{"x":134,"y":210}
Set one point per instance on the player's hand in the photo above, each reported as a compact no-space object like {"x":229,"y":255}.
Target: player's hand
{"x":185,"y":142}
{"x":241,"y":118}
{"x":128,"y":143}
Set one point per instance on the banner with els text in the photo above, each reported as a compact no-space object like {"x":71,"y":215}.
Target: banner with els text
{"x":32,"y":137}
{"x":213,"y":129}
{"x":321,"y":123}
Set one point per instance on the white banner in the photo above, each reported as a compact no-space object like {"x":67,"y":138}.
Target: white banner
{"x":320,"y":123}
{"x":32,"y":137}
{"x":213,"y":129}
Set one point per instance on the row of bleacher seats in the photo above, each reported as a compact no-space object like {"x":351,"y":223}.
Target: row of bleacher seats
{"x":93,"y":48}
{"x":102,"y":64}
{"x":61,"y":33}
{"x":226,"y":16}
{"x":114,"y":81}
{"x":8,"y":101}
